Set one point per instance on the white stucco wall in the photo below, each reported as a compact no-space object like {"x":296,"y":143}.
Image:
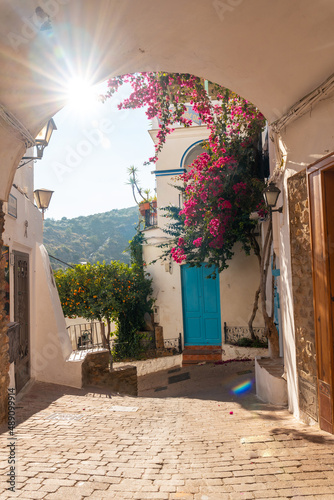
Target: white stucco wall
{"x":51,"y":346}
{"x":166,"y":287}
{"x":307,"y":139}
{"x":167,"y":276}
{"x":20,"y":238}
{"x":238,"y":283}
{"x":49,"y":342}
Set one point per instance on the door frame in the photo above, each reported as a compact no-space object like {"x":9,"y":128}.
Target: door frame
{"x":322,"y":296}
{"x":22,"y":364}
{"x":182,"y":270}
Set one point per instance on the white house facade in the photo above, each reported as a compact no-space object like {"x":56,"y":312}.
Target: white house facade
{"x":186,"y":303}
{"x":39,"y":343}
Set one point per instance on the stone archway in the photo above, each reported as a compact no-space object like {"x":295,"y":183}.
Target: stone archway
{"x":235,"y":43}
{"x":232,"y":42}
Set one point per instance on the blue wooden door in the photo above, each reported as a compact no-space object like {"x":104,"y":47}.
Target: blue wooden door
{"x":201,"y":306}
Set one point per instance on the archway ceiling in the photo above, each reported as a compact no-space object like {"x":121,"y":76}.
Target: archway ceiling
{"x":271,"y":52}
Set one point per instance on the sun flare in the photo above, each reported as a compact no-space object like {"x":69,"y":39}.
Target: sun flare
{"x":81,"y":95}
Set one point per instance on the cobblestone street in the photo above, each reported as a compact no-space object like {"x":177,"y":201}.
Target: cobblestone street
{"x":193,"y":433}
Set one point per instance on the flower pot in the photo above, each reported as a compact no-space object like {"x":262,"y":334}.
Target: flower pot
{"x":143,"y":207}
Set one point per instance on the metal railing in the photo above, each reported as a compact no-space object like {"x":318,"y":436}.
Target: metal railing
{"x":150,"y":218}
{"x":174,"y":344}
{"x":86,"y":335}
{"x":233,"y":334}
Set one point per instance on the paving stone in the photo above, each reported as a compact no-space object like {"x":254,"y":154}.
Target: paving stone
{"x":184,"y":445}
{"x":68,"y":493}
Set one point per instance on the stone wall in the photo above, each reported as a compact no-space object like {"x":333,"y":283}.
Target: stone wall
{"x":146,"y":366}
{"x":95,"y":371}
{"x":302,"y":287}
{"x":4,"y":343}
{"x":4,"y":374}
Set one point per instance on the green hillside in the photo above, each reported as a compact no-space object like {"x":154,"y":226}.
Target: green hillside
{"x":92,"y":238}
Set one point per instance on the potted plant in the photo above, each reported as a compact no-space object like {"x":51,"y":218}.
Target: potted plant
{"x":143,"y":206}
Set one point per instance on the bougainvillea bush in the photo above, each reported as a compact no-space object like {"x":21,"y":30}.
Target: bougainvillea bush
{"x":224,"y":184}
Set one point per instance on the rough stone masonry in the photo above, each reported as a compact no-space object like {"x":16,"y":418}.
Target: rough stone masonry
{"x":4,"y":344}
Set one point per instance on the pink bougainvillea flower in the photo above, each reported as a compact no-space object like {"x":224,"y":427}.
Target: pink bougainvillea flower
{"x":198,"y":242}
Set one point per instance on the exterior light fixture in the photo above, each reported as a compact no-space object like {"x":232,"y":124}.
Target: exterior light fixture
{"x":41,"y":142}
{"x":270,"y":195}
{"x":42,"y":198}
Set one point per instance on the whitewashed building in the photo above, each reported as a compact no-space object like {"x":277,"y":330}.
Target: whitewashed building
{"x":186,"y":303}
{"x":40,"y":345}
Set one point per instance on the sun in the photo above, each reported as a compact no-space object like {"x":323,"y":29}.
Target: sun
{"x":81,"y":95}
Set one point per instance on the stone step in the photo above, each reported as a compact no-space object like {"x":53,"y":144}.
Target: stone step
{"x":202,"y":347}
{"x":194,"y":354}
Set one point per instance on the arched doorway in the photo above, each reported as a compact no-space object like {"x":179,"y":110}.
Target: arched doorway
{"x":108,"y":38}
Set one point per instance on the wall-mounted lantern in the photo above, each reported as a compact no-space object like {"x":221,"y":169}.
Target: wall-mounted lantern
{"x":41,"y":142}
{"x":42,"y":199}
{"x":270,"y":195}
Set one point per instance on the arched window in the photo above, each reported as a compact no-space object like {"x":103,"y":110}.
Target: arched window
{"x":191,"y":154}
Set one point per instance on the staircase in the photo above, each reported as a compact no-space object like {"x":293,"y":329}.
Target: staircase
{"x":192,"y":355}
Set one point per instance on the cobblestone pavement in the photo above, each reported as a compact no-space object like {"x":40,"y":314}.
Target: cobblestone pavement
{"x":187,"y":436}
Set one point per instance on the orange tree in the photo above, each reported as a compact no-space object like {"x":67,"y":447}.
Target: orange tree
{"x":111,"y":292}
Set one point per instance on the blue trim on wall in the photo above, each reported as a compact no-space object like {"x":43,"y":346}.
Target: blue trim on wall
{"x":160,"y":173}
{"x":186,"y":151}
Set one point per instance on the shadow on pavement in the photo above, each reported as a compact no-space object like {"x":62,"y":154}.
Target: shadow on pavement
{"x":40,"y":396}
{"x":233,"y":382}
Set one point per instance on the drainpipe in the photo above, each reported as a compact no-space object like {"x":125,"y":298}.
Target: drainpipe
{"x":4,"y":343}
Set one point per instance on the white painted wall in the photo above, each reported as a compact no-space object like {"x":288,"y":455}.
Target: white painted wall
{"x":167,"y":276}
{"x":166,"y":287}
{"x":49,"y":343}
{"x":238,"y":283}
{"x":307,"y":139}
{"x":51,"y":346}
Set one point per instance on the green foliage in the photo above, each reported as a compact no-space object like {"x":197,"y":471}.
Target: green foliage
{"x":136,"y":247}
{"x":93,"y":238}
{"x":247,"y":342}
{"x":113,"y":292}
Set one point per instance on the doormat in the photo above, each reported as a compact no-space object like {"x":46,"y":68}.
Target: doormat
{"x":123,"y":408}
{"x":178,"y":378}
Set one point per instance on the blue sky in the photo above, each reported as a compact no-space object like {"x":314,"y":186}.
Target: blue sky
{"x":86,"y":161}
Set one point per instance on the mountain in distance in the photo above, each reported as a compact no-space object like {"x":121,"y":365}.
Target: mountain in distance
{"x":92,"y":238}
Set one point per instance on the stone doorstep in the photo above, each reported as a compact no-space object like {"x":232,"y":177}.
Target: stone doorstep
{"x":202,"y":347}
{"x":198,"y":354}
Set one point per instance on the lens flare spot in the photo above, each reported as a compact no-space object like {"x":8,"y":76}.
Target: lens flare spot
{"x":242,"y":388}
